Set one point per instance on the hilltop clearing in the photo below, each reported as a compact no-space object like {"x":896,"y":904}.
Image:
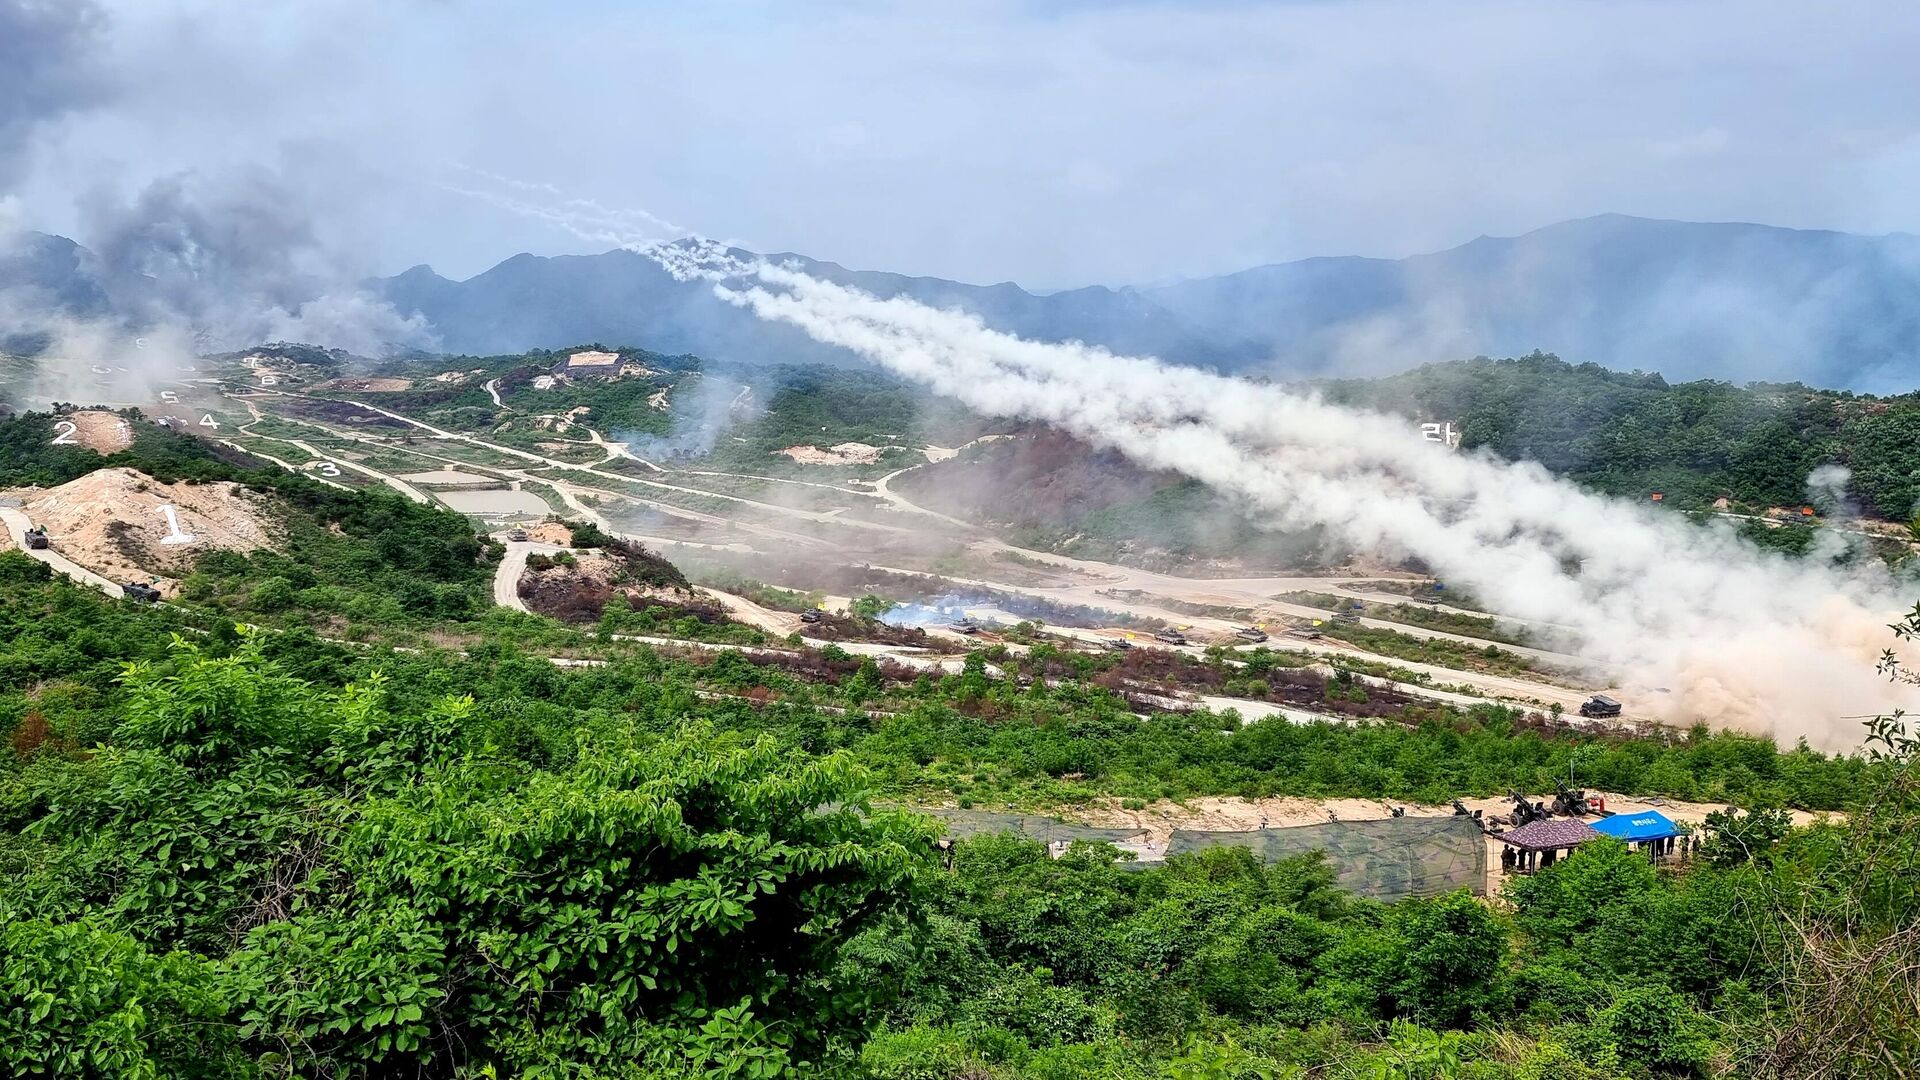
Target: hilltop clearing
{"x":124,"y":524}
{"x":96,"y":429}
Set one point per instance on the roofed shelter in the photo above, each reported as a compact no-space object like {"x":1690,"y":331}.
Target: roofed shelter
{"x":1540,"y":843}
{"x":1649,"y":830}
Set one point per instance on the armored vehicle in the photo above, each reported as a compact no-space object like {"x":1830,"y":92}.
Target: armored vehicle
{"x":1600,"y":706}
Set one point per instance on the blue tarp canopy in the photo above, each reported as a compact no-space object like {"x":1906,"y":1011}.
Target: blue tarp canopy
{"x":1637,"y":826}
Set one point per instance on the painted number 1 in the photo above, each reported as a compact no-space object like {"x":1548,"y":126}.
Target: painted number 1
{"x":174,"y":535}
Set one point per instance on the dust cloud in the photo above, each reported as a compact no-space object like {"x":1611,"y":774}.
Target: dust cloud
{"x":1695,"y":624}
{"x":1704,"y":626}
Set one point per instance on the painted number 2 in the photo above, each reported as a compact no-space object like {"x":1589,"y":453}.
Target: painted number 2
{"x":174,"y":535}
{"x":66,"y":430}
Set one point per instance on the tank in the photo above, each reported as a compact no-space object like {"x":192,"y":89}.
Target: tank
{"x":137,"y":590}
{"x":1170,"y":637}
{"x":1118,"y":644}
{"x":1600,"y":706}
{"x":1251,"y":633}
{"x":964,"y":626}
{"x":518,"y":536}
{"x":810,"y":616}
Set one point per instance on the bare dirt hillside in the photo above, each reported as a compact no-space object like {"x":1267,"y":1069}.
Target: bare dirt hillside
{"x":99,"y":430}
{"x":112,"y":521}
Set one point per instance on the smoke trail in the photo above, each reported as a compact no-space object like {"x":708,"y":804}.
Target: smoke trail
{"x":1705,"y":627}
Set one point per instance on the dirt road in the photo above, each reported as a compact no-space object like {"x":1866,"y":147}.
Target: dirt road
{"x":18,"y":523}
{"x":506,"y":576}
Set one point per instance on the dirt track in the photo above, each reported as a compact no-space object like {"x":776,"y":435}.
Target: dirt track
{"x":17,"y":524}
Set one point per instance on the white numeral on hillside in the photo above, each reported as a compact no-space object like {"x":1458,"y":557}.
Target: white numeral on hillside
{"x":210,"y":422}
{"x":174,"y":535}
{"x":67,"y":430}
{"x":326,"y":468}
{"x":168,"y":397}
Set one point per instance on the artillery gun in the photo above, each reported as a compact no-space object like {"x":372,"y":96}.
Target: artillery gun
{"x":1571,"y":802}
{"x":1525,"y":812}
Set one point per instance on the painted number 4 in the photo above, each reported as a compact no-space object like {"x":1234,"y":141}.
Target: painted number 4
{"x":174,"y":535}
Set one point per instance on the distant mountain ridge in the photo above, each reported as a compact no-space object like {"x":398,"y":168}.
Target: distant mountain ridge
{"x":1691,"y":300}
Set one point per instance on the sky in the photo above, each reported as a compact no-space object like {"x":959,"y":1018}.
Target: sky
{"x":1050,"y":142}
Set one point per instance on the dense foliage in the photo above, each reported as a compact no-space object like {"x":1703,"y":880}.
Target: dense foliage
{"x":435,"y":864}
{"x":1633,"y":433}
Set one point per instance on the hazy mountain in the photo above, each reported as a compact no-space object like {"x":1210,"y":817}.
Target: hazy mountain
{"x":530,"y":302}
{"x":1690,"y":300}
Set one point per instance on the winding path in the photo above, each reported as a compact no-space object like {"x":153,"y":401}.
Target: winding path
{"x":18,"y":523}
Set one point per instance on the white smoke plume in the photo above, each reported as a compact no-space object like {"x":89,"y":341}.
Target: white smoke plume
{"x":1697,"y":625}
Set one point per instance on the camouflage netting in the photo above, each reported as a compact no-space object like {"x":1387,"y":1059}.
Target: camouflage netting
{"x":965,"y":823}
{"x":1390,"y":859}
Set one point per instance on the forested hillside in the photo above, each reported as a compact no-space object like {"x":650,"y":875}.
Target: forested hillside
{"x":1633,"y":433}
{"x":269,"y":850}
{"x":429,"y":864}
{"x":329,"y":811}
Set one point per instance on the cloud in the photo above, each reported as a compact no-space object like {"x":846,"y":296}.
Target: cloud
{"x":1047,"y":144}
{"x":47,"y":71}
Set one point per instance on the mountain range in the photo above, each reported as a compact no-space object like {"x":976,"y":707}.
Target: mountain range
{"x":1738,"y":302}
{"x":1691,"y":300}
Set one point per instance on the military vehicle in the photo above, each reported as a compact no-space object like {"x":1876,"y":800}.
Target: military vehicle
{"x":37,"y":539}
{"x":1170,"y":637}
{"x":138,"y":590}
{"x":518,"y":536}
{"x":1599,"y":707}
{"x":964,"y":625}
{"x":1118,"y":644}
{"x":1251,"y":633}
{"x":1571,"y":802}
{"x":811,"y":615}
